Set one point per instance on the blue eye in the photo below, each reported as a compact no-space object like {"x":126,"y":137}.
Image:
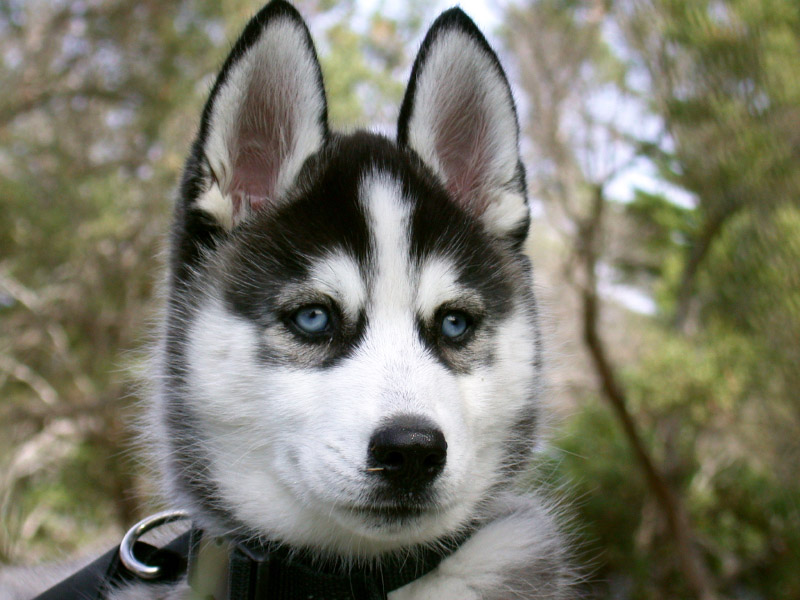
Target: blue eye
{"x":312,"y":319}
{"x":455,"y":324}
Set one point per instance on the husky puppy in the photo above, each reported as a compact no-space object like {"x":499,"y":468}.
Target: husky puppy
{"x":350,"y":363}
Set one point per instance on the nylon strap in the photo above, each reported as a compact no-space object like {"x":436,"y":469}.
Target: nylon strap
{"x":220,"y":569}
{"x":95,"y":581}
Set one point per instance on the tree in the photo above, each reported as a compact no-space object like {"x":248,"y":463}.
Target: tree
{"x":722,"y":78}
{"x":702,"y":94}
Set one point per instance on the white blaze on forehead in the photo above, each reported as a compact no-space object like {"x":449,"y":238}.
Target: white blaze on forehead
{"x":392,"y":352}
{"x":438,"y":283}
{"x":388,"y":214}
{"x":338,"y":275}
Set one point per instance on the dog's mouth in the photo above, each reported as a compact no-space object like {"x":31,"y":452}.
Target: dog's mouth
{"x":400,"y":520}
{"x":390,"y":513}
{"x":396,"y":511}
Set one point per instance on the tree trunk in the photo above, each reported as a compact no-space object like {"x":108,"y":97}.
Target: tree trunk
{"x":691,"y":562}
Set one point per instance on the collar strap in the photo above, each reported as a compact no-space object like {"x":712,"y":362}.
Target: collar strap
{"x":99,"y":579}
{"x":221,"y":569}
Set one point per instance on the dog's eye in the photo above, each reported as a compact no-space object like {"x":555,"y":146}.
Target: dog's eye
{"x":455,"y":324}
{"x":313,"y":319}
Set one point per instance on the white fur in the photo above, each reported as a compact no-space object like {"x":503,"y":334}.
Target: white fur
{"x":507,"y":210}
{"x":217,"y":204}
{"x":438,"y":285}
{"x":306,"y":461}
{"x":521,"y":537}
{"x":337,"y":276}
{"x":389,"y":214}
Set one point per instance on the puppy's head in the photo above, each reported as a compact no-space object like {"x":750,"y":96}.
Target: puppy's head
{"x":350,"y":353}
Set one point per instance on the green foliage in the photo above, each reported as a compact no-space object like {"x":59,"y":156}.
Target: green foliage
{"x":99,"y":105}
{"x":663,"y":232}
{"x":58,"y":517}
{"x":352,"y":82}
{"x":771,"y":306}
{"x":608,"y":499}
{"x":711,"y":378}
{"x":744,"y":510}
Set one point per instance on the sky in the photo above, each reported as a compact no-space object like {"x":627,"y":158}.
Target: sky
{"x":641,"y":174}
{"x":485,"y":13}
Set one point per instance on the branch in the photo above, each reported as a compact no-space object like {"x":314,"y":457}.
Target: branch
{"x":696,"y":254}
{"x":24,"y":374}
{"x":39,"y":416}
{"x":697,"y":576}
{"x":29,"y":102}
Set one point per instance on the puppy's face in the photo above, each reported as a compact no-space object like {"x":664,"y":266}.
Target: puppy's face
{"x":351,"y":346}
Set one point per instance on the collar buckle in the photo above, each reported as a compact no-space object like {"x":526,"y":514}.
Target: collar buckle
{"x":126,"y":548}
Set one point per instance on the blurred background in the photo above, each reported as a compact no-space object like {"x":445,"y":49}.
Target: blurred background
{"x":662,"y":141}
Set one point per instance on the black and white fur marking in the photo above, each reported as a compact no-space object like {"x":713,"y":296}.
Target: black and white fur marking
{"x":266,"y":429}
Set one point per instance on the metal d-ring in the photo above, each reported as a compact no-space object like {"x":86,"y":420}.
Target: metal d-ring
{"x":126,"y":555}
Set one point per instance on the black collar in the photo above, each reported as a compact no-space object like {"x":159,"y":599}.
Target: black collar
{"x":225,"y":570}
{"x":220,"y":569}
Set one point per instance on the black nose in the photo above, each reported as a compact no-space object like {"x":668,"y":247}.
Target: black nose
{"x":407,"y":451}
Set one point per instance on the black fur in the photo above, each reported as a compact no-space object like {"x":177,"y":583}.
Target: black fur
{"x":277,"y":247}
{"x":195,"y":230}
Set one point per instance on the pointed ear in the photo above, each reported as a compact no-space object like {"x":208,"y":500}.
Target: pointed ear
{"x":458,"y":115}
{"x":266,"y":115}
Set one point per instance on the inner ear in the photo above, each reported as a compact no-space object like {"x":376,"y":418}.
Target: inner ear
{"x":266,"y":115}
{"x":467,"y":138}
{"x":458,"y":115}
{"x":263,"y":138}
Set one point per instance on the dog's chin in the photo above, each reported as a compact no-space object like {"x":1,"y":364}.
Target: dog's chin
{"x":389,"y":526}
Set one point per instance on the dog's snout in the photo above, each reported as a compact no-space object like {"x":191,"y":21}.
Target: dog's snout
{"x":408,"y":451}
